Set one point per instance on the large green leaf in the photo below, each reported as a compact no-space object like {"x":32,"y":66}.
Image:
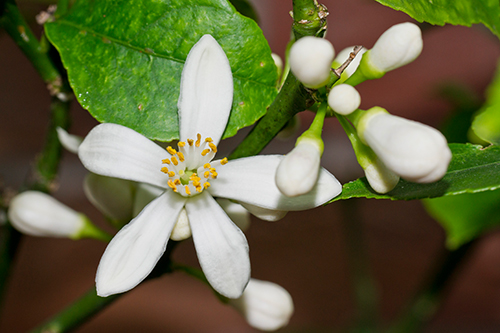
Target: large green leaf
{"x":472,"y":169}
{"x":460,"y":12}
{"x":465,"y":216}
{"x":486,"y":124}
{"x":124,"y":59}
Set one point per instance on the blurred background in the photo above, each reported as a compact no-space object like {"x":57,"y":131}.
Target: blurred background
{"x":306,"y":252}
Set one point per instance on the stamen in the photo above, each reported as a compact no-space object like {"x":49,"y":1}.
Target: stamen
{"x":199,"y":139}
{"x":164,"y":170}
{"x":172,"y":185}
{"x":171,"y":150}
{"x":181,"y":156}
{"x":171,"y":173}
{"x":188,"y":192}
{"x":196,"y":183}
{"x":177,"y":181}
{"x":212,"y":169}
{"x":205,"y":152}
{"x":224,"y":161}
{"x":181,"y":144}
{"x":206,"y":165}
{"x":165,"y":161}
{"x":206,"y":185}
{"x":214,"y":148}
{"x":190,"y":142}
{"x":174,"y":160}
{"x":214,"y":175}
{"x":209,"y":140}
{"x":206,"y":174}
{"x":199,"y":189}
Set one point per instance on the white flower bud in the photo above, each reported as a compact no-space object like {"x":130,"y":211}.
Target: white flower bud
{"x":380,"y":178}
{"x":311,"y":60}
{"x":277,"y":61}
{"x":69,"y":141}
{"x":265,"y":305}
{"x":344,"y":55}
{"x":181,"y":230}
{"x":38,"y":214}
{"x":414,"y":151}
{"x":344,"y":99}
{"x":396,"y":47}
{"x":298,"y":171}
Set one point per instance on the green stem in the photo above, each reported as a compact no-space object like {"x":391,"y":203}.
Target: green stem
{"x":365,"y":291}
{"x":309,"y":18}
{"x":15,"y":25}
{"x":364,"y":154}
{"x":425,"y":304}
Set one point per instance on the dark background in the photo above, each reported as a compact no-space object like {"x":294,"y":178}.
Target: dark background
{"x":306,"y":251}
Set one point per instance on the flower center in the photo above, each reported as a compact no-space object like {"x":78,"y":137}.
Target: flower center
{"x":189,"y":169}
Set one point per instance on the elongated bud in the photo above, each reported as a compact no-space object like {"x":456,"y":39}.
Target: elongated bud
{"x":396,"y":47}
{"x":380,"y":178}
{"x":278,"y":62}
{"x":344,"y":99}
{"x":310,"y":61}
{"x":298,"y":172}
{"x":38,"y":214}
{"x":414,"y":151}
{"x":69,"y":141}
{"x":344,"y":55}
{"x":265,"y":305}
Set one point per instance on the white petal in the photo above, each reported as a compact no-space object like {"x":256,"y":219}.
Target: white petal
{"x":69,"y":141}
{"x":380,"y":177}
{"x":251,"y":180}
{"x":137,"y":247}
{"x":265,"y":214}
{"x":206,"y":92}
{"x":118,"y":151}
{"x":236,"y":212}
{"x":221,"y":246}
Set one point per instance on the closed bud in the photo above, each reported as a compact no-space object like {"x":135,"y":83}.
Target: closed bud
{"x":414,"y":151}
{"x":380,"y":178}
{"x":396,"y":47}
{"x":265,"y":305}
{"x":344,"y":99}
{"x":38,"y":214}
{"x":311,"y":60}
{"x":298,"y":171}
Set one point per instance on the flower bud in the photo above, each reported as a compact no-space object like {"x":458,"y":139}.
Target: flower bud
{"x":344,"y":55}
{"x":344,"y":99}
{"x":414,"y":151}
{"x":298,"y":171}
{"x":380,"y":178}
{"x":278,"y":62}
{"x":38,"y":214}
{"x":69,"y":141}
{"x":310,"y":61}
{"x":396,"y":47}
{"x":265,"y":305}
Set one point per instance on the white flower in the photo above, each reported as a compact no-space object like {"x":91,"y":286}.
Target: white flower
{"x":380,"y":178}
{"x":190,"y":179}
{"x":298,"y":171}
{"x":265,"y":305}
{"x":397,"y":46}
{"x":344,"y":55}
{"x":311,"y":60}
{"x":344,"y":99}
{"x":414,"y":151}
{"x":38,"y":214}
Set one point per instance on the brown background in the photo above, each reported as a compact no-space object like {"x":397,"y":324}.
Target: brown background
{"x":305,"y":252}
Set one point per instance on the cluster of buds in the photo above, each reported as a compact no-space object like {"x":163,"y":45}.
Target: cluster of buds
{"x":387,"y":147}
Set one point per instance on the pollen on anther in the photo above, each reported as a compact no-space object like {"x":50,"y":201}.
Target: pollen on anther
{"x":171,"y":173}
{"x":206,"y":185}
{"x":214,"y":148}
{"x":209,"y":140}
{"x":181,"y":144}
{"x":207,"y":166}
{"x":205,"y":152}
{"x":206,"y":174}
{"x":172,"y":185}
{"x":188,"y":191}
{"x":212,"y":169}
{"x":174,"y":160}
{"x":224,"y":161}
{"x":164,"y":170}
{"x":181,"y":156}
{"x":190,"y":142}
{"x":214,"y":175}
{"x":199,"y":189}
{"x":165,"y":161}
{"x":177,"y":182}
{"x":199,"y":139}
{"x":171,"y":150}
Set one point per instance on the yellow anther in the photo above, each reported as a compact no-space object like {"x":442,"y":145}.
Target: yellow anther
{"x":214,"y":148}
{"x":171,"y":173}
{"x":206,"y":174}
{"x":199,"y":139}
{"x":188,"y":191}
{"x":172,"y":185}
{"x":224,"y":161}
{"x":199,"y":189}
{"x":205,"y":152}
{"x":206,"y":165}
{"x":206,"y":185}
{"x":177,"y":182}
{"x":212,"y":169}
{"x":165,"y":161}
{"x":181,"y":156}
{"x":174,"y":160}
{"x":214,"y":175}
{"x":164,"y":170}
{"x":171,"y":150}
{"x":194,"y":177}
{"x":196,"y":183}
{"x":181,"y":144}
{"x":190,"y":142}
{"x":209,"y":140}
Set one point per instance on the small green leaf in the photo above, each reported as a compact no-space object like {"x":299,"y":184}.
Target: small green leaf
{"x":125,"y":57}
{"x":465,"y":216}
{"x":472,"y":169}
{"x":486,"y":124}
{"x":459,"y":12}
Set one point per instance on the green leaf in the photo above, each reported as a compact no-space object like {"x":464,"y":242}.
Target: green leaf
{"x":472,"y":169}
{"x":460,"y":12}
{"x":486,"y":125}
{"x":245,"y":8}
{"x":465,"y":216}
{"x":124,"y":59}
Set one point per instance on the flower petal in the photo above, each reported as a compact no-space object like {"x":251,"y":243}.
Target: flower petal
{"x":270,"y":215}
{"x":206,"y":92}
{"x":136,"y":248}
{"x":69,"y":141}
{"x":251,"y":180}
{"x":118,"y":151}
{"x":236,"y":212}
{"x":221,"y":246}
